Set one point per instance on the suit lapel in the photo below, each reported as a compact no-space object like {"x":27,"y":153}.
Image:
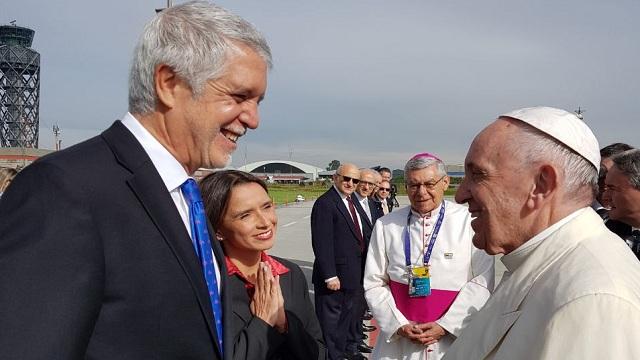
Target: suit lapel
{"x":345,"y":212}
{"x":361,"y":211}
{"x":145,"y":183}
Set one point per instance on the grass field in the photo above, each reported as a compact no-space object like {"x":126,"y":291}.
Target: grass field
{"x":284,"y":194}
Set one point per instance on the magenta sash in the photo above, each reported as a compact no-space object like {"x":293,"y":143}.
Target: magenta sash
{"x":421,"y":309}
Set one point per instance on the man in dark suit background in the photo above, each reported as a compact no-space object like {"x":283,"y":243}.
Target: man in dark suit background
{"x":338,"y":245}
{"x":602,"y":203}
{"x":623,"y":190}
{"x":96,"y":251}
{"x":382,"y":204}
{"x":361,"y":196}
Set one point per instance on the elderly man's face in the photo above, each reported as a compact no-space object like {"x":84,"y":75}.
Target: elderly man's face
{"x":366,"y":185}
{"x":204,"y":130}
{"x":346,"y":178}
{"x":425,"y":188}
{"x":384,"y":190}
{"x":624,"y":198}
{"x":495,"y":188}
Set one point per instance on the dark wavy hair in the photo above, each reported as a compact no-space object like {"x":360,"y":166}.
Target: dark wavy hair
{"x":216,"y":190}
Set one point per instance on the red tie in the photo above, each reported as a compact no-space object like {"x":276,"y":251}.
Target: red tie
{"x":354,"y":217}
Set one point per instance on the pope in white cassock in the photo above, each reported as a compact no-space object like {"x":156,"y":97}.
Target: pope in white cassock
{"x":572,"y":289}
{"x":423,"y":276}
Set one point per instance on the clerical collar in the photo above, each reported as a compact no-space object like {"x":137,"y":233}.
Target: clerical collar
{"x":427,"y":215}
{"x":514,"y":259}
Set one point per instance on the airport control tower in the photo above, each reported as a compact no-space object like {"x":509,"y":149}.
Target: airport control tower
{"x":19,"y":88}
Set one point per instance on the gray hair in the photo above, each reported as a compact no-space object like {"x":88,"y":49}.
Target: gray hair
{"x":578,"y":173}
{"x":419,"y":162}
{"x":368,"y":171}
{"x":195,"y":39}
{"x":628,"y":163}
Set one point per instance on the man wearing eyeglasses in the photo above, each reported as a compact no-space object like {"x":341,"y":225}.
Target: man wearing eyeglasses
{"x":423,"y":277}
{"x":338,"y":232}
{"x":381,"y":198}
{"x":369,"y":179}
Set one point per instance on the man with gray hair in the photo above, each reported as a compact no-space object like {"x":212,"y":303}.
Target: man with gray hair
{"x":120,"y":264}
{"x":423,"y":277}
{"x":623,"y":190}
{"x":572,"y":288}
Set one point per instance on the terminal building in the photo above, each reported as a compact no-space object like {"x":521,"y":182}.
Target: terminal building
{"x":283,"y":171}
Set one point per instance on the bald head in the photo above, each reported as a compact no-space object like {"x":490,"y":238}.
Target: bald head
{"x":346,"y":178}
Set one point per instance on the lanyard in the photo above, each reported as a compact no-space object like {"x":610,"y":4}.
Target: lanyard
{"x":432,"y":240}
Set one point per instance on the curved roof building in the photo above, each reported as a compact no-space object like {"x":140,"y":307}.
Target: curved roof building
{"x":283,"y":171}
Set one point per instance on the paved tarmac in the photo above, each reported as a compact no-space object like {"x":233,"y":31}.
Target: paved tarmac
{"x":293,"y":237}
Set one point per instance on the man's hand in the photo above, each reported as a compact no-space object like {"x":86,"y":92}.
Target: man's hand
{"x":431,"y":333}
{"x":333,"y":284}
{"x":410,"y":331}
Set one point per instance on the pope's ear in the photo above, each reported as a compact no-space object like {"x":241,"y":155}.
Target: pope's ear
{"x":544,"y":185}
{"x":167,"y":85}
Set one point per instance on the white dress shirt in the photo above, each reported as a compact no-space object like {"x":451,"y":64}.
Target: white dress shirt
{"x":171,"y":171}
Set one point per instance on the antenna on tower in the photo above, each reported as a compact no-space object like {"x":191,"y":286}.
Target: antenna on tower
{"x":579,"y":113}
{"x":169,"y":4}
{"x":56,"y":135}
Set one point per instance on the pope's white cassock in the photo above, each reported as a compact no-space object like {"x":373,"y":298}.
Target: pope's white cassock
{"x":571,"y":292}
{"x":462,"y":279}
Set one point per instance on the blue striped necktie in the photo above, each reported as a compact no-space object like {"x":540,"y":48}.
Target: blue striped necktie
{"x":202,"y":244}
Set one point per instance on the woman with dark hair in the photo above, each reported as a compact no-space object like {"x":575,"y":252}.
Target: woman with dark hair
{"x":273,"y":317}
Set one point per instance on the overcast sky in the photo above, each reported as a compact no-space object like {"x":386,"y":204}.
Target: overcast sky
{"x":370,"y":82}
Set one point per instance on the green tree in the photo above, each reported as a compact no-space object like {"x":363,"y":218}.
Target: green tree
{"x":333,"y":165}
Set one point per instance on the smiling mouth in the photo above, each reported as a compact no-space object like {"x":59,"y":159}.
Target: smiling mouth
{"x":265,"y":235}
{"x":232,"y":136}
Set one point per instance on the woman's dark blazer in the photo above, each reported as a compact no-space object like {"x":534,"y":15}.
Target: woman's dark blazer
{"x":254,"y":339}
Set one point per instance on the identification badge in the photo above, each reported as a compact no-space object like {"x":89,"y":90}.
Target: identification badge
{"x":419,"y":281}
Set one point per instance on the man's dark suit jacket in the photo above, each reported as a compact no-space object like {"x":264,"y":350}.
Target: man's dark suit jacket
{"x":376,"y":206}
{"x":255,"y":339}
{"x":335,"y":243}
{"x":96,"y":262}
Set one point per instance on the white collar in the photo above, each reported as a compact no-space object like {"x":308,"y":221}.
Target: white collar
{"x":429,"y":215}
{"x":171,"y":171}
{"x":515,"y":258}
{"x":360,"y":198}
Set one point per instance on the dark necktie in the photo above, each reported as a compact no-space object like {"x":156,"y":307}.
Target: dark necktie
{"x":202,"y":244}
{"x":354,"y":217}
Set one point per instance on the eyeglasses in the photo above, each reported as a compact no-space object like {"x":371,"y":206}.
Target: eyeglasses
{"x":362,"y":182}
{"x":347,"y":179}
{"x":384,"y":189}
{"x":428,"y":185}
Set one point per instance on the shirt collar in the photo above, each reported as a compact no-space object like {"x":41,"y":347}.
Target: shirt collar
{"x":360,"y":198}
{"x":170,"y":170}
{"x":428,"y":215}
{"x":342,"y":195}
{"x":514,"y":259}
{"x":276,"y":268}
